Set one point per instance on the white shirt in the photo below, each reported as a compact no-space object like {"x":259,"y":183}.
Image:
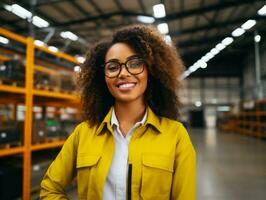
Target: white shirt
{"x":116,"y":180}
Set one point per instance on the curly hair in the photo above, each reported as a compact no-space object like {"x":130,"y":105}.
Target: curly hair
{"x":164,"y":69}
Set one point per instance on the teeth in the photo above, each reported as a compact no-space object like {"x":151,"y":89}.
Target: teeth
{"x":128,"y":85}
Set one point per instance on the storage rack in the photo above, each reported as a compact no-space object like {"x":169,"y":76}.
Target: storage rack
{"x":28,"y":92}
{"x":249,"y":121}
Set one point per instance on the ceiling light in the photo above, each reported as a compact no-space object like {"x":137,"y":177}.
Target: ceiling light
{"x":39,"y":43}
{"x":257,"y":38}
{"x":220,"y":46}
{"x":214,"y":51}
{"x":77,"y":69}
{"x":159,"y":11}
{"x":262,"y":11}
{"x":41,"y":23}
{"x":187,"y":73}
{"x":223,"y":108}
{"x":80,"y":59}
{"x":205,"y":58}
{"x":69,"y":35}
{"x":202,"y":64}
{"x":168,"y":39}
{"x":228,"y":40}
{"x":198,"y":103}
{"x":53,"y":49}
{"x":248,"y":24}
{"x":145,"y":19}
{"x":238,"y":32}
{"x":163,"y":28}
{"x":19,"y":11}
{"x":4,"y":40}
{"x":209,"y":55}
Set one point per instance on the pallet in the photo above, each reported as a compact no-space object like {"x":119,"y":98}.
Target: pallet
{"x":10,"y":145}
{"x":4,"y":81}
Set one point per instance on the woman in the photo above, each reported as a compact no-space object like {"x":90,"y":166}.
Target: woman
{"x":130,"y":145}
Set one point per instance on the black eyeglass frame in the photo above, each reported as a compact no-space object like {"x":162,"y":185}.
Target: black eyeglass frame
{"x":125,"y":64}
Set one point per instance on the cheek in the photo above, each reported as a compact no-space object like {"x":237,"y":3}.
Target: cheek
{"x":108,"y":83}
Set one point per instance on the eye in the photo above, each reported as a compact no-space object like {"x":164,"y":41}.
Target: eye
{"x":112,"y":66}
{"x":136,"y":62}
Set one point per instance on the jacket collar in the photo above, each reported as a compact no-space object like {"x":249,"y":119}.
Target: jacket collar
{"x":152,"y":119}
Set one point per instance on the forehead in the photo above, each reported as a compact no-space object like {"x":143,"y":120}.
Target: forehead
{"x":120,"y":51}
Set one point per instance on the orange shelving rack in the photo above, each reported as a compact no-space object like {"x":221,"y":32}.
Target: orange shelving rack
{"x":249,"y":121}
{"x":28,"y":92}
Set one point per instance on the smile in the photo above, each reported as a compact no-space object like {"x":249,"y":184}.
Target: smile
{"x":126,"y":85}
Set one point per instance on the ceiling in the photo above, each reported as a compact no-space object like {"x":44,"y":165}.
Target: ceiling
{"x":195,"y":26}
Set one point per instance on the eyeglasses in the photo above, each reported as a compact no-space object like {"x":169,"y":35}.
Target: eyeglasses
{"x":134,"y":66}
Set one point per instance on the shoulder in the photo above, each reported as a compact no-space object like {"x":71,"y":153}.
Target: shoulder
{"x":171,"y":123}
{"x":84,"y":128}
{"x":173,"y":127}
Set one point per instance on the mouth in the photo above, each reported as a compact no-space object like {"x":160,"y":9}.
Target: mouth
{"x":126,"y":85}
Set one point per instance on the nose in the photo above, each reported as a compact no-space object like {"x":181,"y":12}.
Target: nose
{"x":123,"y":71}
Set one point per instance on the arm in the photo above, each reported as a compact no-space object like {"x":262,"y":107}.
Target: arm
{"x":61,"y":171}
{"x":184,"y":179}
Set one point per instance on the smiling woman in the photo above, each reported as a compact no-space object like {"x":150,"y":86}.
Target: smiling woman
{"x":130,"y":145}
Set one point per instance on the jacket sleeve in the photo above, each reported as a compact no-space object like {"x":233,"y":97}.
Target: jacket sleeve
{"x":61,"y":171}
{"x":184,"y":179}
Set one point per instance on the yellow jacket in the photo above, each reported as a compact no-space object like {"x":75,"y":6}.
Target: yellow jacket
{"x":162,"y":157}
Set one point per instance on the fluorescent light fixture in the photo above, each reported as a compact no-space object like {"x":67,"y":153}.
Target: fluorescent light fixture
{"x":163,"y":28}
{"x":198,"y":103}
{"x":209,"y":55}
{"x":8,"y":8}
{"x":53,"y":49}
{"x":248,"y":24}
{"x":184,"y":75}
{"x":220,"y":46}
{"x":77,"y":69}
{"x":238,"y":32}
{"x":4,"y":40}
{"x":214,"y":51}
{"x":41,"y":23}
{"x":69,"y":35}
{"x":159,"y":10}
{"x":262,"y":11}
{"x":194,"y":67}
{"x":187,"y":73}
{"x":202,"y":64}
{"x":19,"y":11}
{"x":205,"y":58}
{"x":80,"y":59}
{"x":168,"y":39}
{"x":223,"y":108}
{"x":257,"y":38}
{"x":228,"y":40}
{"x":39,"y":43}
{"x":145,"y":19}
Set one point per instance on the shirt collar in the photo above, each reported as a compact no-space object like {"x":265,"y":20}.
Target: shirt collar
{"x":115,"y":122}
{"x":150,"y":118}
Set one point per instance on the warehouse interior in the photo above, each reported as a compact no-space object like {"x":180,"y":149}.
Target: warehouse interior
{"x":221,"y":42}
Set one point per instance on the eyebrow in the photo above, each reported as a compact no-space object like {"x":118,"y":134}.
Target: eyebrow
{"x":128,"y":58}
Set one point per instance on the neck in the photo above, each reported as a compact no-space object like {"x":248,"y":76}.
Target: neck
{"x":129,"y":113}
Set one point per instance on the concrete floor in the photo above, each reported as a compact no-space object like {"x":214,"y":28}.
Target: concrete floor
{"x":229,"y":166}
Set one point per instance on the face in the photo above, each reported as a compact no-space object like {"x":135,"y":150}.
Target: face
{"x":125,"y":87}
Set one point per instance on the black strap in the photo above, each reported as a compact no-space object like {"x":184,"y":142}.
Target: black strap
{"x":129,"y":181}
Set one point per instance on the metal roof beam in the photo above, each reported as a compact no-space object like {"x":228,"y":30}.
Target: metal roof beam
{"x":169,"y":17}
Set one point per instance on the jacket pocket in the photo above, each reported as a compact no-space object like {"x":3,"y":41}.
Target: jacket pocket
{"x":157,"y":171}
{"x":85,"y":166}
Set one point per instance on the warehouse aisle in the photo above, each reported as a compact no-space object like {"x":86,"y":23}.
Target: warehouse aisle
{"x":229,"y":166}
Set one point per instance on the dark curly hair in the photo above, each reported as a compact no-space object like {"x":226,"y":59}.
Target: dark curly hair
{"x":164,"y":69}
